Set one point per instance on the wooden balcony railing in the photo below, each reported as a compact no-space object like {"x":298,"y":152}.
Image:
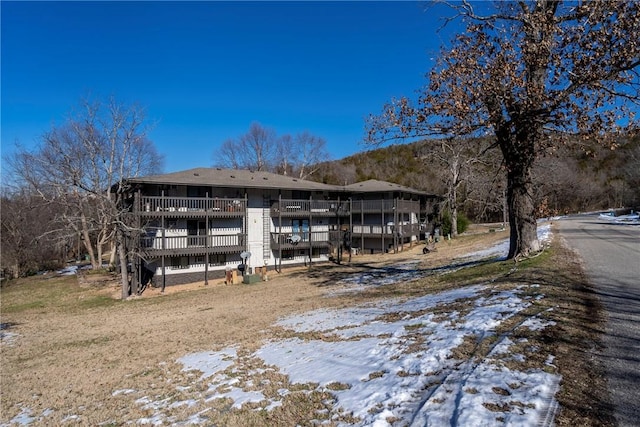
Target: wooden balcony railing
{"x":304,"y":239}
{"x":298,"y":207}
{"x":386,"y":205}
{"x":175,"y":243}
{"x":389,"y":229}
{"x":191,"y":204}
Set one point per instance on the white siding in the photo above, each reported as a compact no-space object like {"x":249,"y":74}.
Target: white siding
{"x":254,"y":231}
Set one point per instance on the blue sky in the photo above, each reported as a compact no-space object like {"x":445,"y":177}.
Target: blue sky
{"x":205,"y":71}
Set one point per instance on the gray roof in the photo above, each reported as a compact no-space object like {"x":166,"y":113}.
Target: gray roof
{"x":235,"y":178}
{"x":375,"y":186}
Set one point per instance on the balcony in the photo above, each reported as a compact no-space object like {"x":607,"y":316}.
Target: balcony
{"x":404,"y":230}
{"x":377,"y":206}
{"x":192,"y":245}
{"x":306,"y":208}
{"x":304,"y":239}
{"x":185,"y":207}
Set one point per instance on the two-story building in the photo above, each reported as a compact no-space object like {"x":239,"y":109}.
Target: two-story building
{"x":194,"y":225}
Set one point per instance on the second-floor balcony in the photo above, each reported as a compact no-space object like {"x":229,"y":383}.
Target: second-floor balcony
{"x":386,"y":205}
{"x":191,"y":206}
{"x":305,"y":208}
{"x":186,"y":245}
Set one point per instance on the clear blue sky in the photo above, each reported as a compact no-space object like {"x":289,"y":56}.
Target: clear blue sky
{"x":205,"y":70}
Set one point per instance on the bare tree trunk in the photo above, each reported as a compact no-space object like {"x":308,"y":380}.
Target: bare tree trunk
{"x":103,"y":239}
{"x":99,"y":254}
{"x":86,"y":240}
{"x":453,"y":205}
{"x":124,"y":275}
{"x":112,"y":256}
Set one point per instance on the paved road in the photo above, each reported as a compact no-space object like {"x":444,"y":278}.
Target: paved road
{"x":611,"y":253}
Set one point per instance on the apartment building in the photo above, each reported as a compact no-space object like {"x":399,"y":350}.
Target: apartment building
{"x":195,"y":225}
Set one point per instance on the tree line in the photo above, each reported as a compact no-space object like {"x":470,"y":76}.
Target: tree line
{"x":262,"y":149}
{"x":65,"y":198}
{"x":472,"y":181}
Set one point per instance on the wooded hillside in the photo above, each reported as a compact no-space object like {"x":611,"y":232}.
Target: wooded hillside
{"x":578,"y":177}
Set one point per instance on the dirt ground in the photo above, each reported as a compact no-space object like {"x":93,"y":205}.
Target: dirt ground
{"x":68,"y":356}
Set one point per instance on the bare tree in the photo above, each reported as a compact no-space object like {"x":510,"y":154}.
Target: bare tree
{"x":454,"y":158}
{"x":228,"y":155}
{"x":300,"y":155}
{"x":523,"y":72}
{"x":30,"y":238}
{"x":285,"y":155}
{"x":255,"y":150}
{"x":310,"y":152}
{"x":81,"y":167}
{"x":485,"y":188}
{"x":261,"y":149}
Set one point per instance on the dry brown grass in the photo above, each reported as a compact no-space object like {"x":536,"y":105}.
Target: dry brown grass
{"x":77,"y":345}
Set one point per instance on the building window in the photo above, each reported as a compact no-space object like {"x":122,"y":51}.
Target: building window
{"x":287,"y":254}
{"x":300,"y":227}
{"x":217,"y":259}
{"x":178,"y":263}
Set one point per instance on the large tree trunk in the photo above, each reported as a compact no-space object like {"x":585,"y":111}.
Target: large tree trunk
{"x":523,"y":237}
{"x":525,"y":128}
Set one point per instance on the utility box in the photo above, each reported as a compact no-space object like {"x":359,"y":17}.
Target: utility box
{"x":251,"y":279}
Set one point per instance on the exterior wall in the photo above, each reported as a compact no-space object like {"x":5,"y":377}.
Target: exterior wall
{"x":377,"y":227}
{"x":196,"y":264}
{"x":293,"y":257}
{"x":319,"y":227}
{"x":376,"y":245}
{"x":186,"y":277}
{"x":320,"y":222}
{"x":255,"y":237}
{"x":222,"y":232}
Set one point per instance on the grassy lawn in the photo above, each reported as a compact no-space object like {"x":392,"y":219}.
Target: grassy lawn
{"x":75,"y":352}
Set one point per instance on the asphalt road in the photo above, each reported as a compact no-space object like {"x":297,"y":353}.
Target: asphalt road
{"x":611,"y":254}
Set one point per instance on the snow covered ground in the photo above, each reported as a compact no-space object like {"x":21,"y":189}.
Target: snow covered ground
{"x":632,"y":218}
{"x":391,"y":363}
{"x":501,"y":250}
